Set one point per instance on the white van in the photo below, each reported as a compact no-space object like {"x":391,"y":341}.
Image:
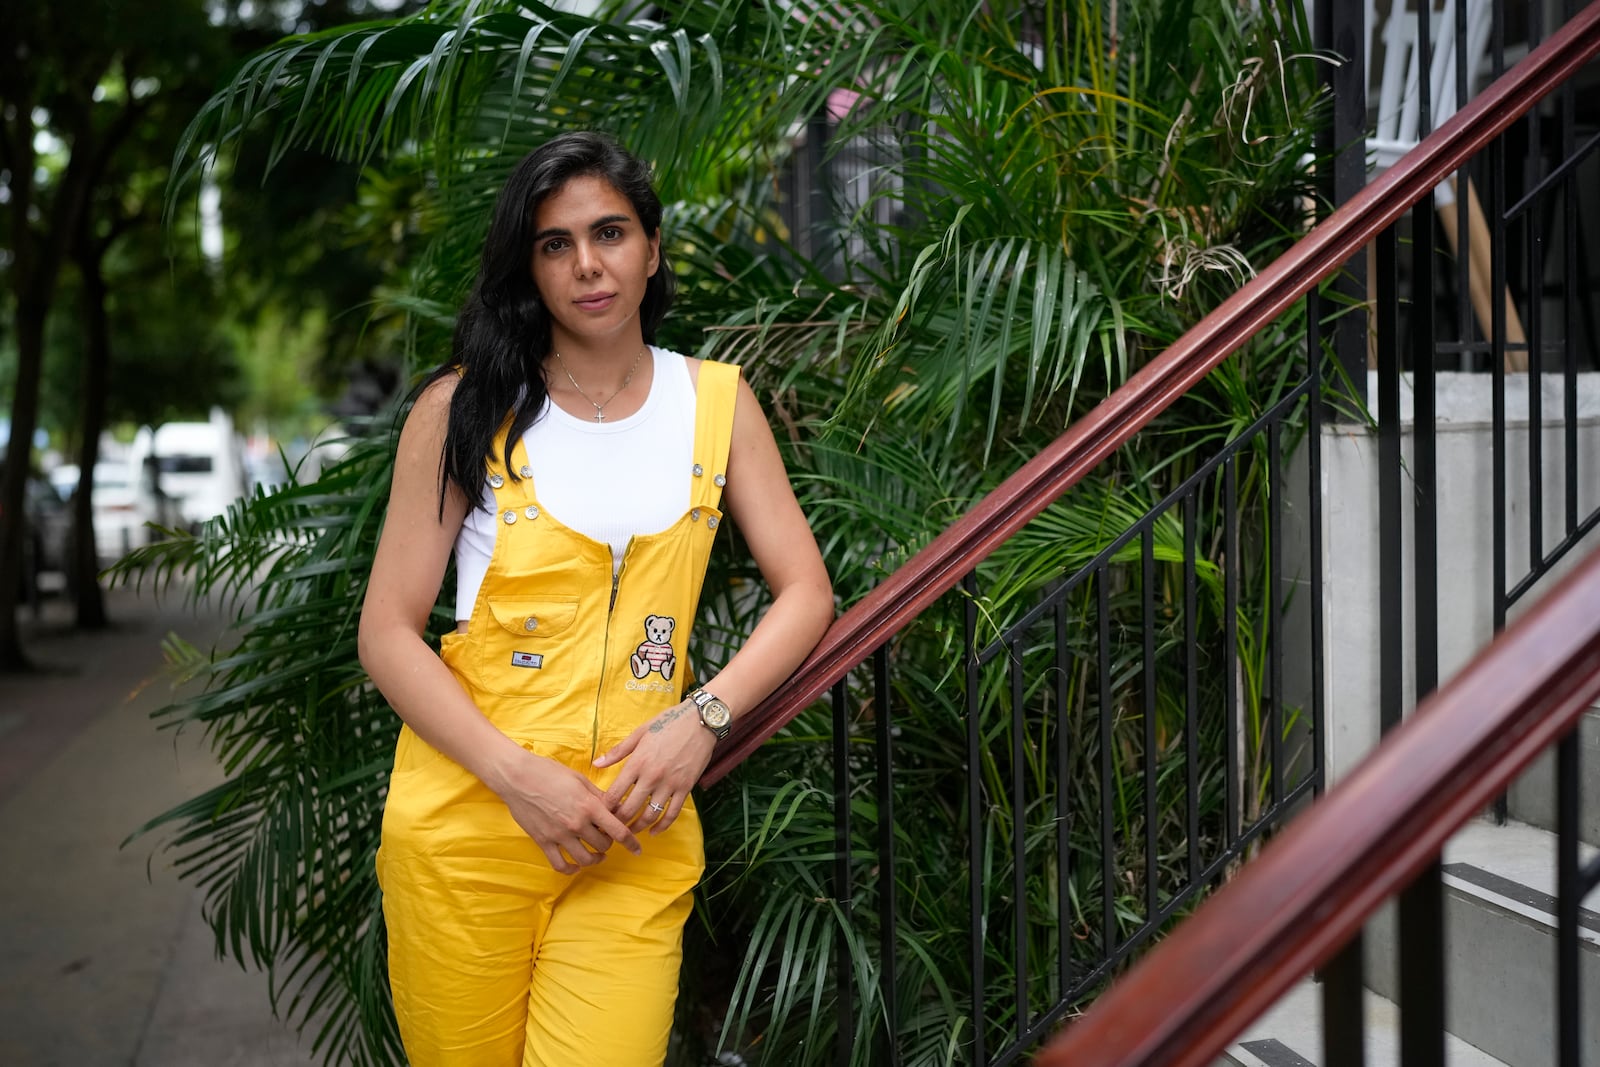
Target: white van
{"x":199,"y":466}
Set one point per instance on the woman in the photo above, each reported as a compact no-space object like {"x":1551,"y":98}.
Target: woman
{"x":539,"y":841}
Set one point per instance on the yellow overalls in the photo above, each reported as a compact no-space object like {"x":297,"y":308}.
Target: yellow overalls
{"x":495,"y":959}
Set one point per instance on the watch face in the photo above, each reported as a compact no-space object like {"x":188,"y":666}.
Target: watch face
{"x":715,"y":714}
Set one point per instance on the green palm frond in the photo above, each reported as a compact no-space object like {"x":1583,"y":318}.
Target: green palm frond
{"x":283,"y":846}
{"x":1048,"y":193}
{"x":468,"y":74}
{"x":1003,"y":312}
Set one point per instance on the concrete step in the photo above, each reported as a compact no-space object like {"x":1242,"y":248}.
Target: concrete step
{"x":1500,"y":945}
{"x":1532,"y":798}
{"x":1290,"y":1035}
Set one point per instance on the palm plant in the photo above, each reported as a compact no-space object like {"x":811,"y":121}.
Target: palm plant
{"x":1063,"y":186}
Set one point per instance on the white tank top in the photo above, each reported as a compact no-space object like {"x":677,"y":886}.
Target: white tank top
{"x":608,"y":480}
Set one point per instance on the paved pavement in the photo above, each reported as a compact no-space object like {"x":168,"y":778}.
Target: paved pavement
{"x":105,"y":958}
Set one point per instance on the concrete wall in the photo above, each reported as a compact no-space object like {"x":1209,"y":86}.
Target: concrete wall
{"x":1349,"y":491}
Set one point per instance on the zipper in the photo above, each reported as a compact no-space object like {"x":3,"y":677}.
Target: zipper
{"x":616,"y":578}
{"x":605,"y":653}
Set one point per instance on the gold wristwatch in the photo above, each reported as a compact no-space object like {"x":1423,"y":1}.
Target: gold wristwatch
{"x":714,"y":714}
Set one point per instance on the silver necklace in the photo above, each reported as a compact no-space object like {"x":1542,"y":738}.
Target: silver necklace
{"x":599,"y":409}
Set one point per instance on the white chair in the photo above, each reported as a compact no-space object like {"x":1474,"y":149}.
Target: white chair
{"x":1398,"y":125}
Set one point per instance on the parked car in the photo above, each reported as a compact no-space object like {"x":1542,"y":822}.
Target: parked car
{"x":123,"y":503}
{"x":64,"y":478}
{"x":119,"y":513}
{"x":266,"y":471}
{"x":197,"y":465}
{"x":46,"y":526}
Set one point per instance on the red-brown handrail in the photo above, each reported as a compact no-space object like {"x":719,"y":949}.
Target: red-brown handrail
{"x":939,"y":566}
{"x":1311,"y":889}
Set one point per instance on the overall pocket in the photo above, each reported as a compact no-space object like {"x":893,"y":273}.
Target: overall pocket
{"x":526,"y":646}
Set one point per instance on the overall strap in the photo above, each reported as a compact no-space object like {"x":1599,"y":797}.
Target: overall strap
{"x":715,"y":396}
{"x":497,"y":449}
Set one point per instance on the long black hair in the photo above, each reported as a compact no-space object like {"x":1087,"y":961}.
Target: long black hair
{"x":503,"y":331}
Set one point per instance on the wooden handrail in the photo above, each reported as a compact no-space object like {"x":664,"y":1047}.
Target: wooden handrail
{"x":1311,"y":889}
{"x":939,"y":566}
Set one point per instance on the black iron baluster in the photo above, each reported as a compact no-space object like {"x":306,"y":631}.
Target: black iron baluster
{"x":1344,"y":1017}
{"x":1390,"y":606}
{"x":1424,"y":39}
{"x":1497,"y":44}
{"x":843,"y":884}
{"x":1342,"y":28}
{"x":1535,"y":332}
{"x":1462,"y":191}
{"x":1536,"y":164}
{"x":1497,"y":364}
{"x":1424,"y":443}
{"x":1063,"y":736}
{"x":1421,"y":911}
{"x":819,"y":234}
{"x":1191,"y":687}
{"x":1570,"y":304}
{"x":1276,"y":713}
{"x":1107,"y":844}
{"x":1230,"y":650}
{"x":975,"y":815}
{"x":888,"y":913}
{"x":1019,"y":833}
{"x":1497,"y":370}
{"x":1569,"y":896}
{"x":1147,"y":582}
{"x":1422,"y":975}
{"x":1314,"y":523}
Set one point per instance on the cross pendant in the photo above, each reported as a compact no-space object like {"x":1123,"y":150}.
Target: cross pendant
{"x":599,"y":416}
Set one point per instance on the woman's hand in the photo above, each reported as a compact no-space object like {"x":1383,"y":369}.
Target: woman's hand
{"x":566,"y":814}
{"x":666,"y":756}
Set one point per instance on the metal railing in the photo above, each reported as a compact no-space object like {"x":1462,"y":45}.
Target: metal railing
{"x":1302,"y":903}
{"x":1060,"y":729}
{"x":1062,"y":724}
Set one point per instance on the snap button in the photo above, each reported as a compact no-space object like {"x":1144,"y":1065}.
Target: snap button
{"x":720,"y":480}
{"x":698,"y":470}
{"x":525,"y":470}
{"x":496,"y":481}
{"x":510,"y":516}
{"x":531,"y":625}
{"x":531,"y":511}
{"x":694,"y":516}
{"x":711,"y":523}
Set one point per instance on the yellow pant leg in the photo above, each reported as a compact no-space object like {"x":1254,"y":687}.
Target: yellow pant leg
{"x":495,"y":959}
{"x":605,"y":977}
{"x":466,"y":896}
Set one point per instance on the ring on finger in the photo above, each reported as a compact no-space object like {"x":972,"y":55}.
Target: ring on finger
{"x":657,"y":807}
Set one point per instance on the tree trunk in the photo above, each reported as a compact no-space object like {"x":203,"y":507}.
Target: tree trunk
{"x":88,"y":599}
{"x":13,"y":487}
{"x":40,"y":237}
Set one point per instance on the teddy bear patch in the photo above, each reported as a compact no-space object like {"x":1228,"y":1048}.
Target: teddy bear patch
{"x":655,"y":651}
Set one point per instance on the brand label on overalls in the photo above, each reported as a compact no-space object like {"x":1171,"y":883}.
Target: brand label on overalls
{"x":527,"y":659}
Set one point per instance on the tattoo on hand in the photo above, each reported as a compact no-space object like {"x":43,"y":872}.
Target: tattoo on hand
{"x":668,"y":716}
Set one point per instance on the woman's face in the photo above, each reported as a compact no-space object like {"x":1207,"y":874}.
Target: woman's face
{"x":591,"y":260}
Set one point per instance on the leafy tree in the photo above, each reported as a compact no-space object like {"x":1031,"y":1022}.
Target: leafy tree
{"x":315,"y":242}
{"x":105,"y":91}
{"x":60,"y":62}
{"x":1049,"y":193}
{"x":124,"y":207}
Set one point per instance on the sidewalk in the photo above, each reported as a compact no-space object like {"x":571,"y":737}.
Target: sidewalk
{"x":104,"y":955}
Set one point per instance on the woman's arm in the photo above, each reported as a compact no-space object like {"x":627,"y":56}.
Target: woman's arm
{"x":559,"y":808}
{"x":667,"y":755}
